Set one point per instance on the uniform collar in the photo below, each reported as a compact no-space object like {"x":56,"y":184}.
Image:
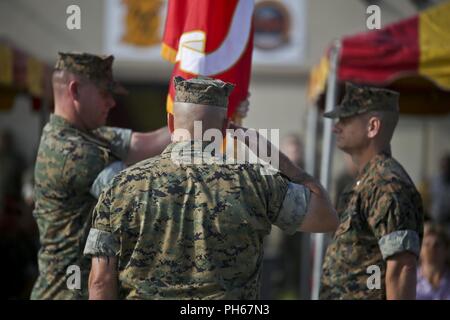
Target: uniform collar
{"x":371,"y":166}
{"x":191,"y":148}
{"x":61,"y":122}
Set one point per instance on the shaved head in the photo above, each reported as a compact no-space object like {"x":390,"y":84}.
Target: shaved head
{"x":61,"y":80}
{"x":185,"y":114}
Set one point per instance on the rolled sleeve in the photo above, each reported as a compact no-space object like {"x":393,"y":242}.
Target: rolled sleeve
{"x":399,"y":241}
{"x":105,"y":177}
{"x":395,"y":217}
{"x":119,"y":139}
{"x":294,"y":208}
{"x":121,"y":144}
{"x":101,"y":243}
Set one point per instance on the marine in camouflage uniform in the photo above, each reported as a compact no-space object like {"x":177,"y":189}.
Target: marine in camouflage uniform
{"x":68,"y":162}
{"x":380,"y":216}
{"x":186,"y":230}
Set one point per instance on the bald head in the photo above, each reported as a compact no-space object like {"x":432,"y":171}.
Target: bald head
{"x":185,"y":114}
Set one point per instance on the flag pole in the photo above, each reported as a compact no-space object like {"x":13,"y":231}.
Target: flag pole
{"x":310,"y":167}
{"x":326,"y":161}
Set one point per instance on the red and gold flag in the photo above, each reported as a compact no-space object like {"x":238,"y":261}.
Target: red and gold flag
{"x":213,"y":39}
{"x":417,"y":46}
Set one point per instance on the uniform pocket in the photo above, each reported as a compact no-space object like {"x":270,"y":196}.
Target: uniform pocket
{"x":349,"y":217}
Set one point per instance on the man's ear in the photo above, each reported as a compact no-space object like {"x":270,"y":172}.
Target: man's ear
{"x":170,"y":122}
{"x":73,"y":89}
{"x":373,"y":127}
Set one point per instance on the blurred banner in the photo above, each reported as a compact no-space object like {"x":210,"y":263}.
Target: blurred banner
{"x":6,"y":65}
{"x":211,"y":39}
{"x":134,"y":28}
{"x":280,"y":33}
{"x":21,"y":72}
{"x":416,"y":48}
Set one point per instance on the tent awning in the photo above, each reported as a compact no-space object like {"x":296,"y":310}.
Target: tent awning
{"x":22,"y":72}
{"x":411,"y":56}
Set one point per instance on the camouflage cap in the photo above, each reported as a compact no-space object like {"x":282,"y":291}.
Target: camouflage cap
{"x":202,"y":90}
{"x":362,"y":99}
{"x":97,"y":68}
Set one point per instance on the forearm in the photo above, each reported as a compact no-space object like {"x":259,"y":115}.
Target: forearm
{"x":103,"y":281}
{"x":285,"y":166}
{"x":401,"y":282}
{"x":103,"y":291}
{"x":293,"y":172}
{"x":321,"y":216}
{"x":147,"y":145}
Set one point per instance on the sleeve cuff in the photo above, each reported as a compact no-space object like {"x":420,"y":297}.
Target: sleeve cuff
{"x":293,"y":209}
{"x":105,"y":177}
{"x":101,"y":243}
{"x":399,"y":241}
{"x":121,"y":146}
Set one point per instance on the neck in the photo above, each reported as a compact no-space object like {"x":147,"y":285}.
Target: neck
{"x":199,"y":132}
{"x":361,"y":158}
{"x":59,"y":112}
{"x":180,"y":135}
{"x":68,"y":116}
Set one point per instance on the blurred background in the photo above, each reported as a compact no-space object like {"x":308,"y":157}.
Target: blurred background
{"x":291,"y":37}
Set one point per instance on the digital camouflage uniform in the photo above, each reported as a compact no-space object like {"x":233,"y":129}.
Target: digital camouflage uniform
{"x":186,"y":225}
{"x":67,"y":164}
{"x":380,"y":215}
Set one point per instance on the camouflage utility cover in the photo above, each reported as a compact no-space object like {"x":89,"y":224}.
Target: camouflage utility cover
{"x":97,"y":68}
{"x":203,"y":90}
{"x":362,"y":99}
